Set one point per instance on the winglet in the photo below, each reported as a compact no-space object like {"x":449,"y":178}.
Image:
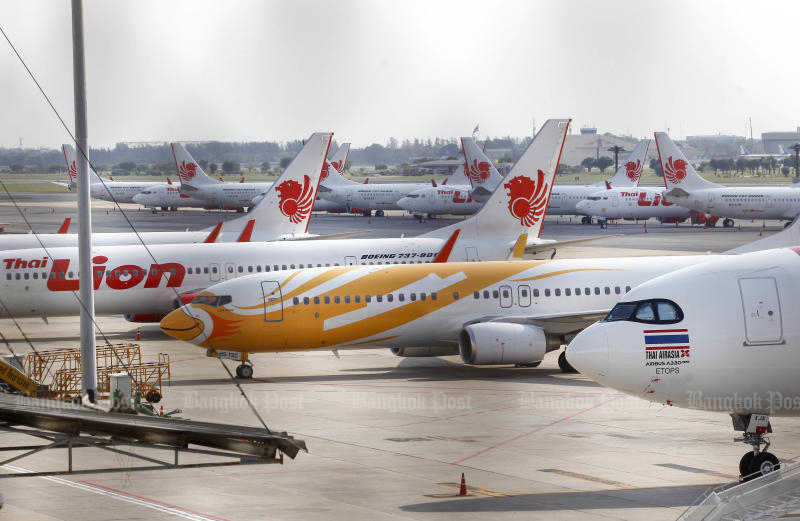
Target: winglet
{"x":519,"y":248}
{"x":433,"y":183}
{"x":65,"y":225}
{"x":242,"y":180}
{"x":608,"y":185}
{"x":444,"y":182}
{"x":212,"y":237}
{"x":247,"y":232}
{"x":444,"y":253}
{"x":169,"y":181}
{"x":366,"y":181}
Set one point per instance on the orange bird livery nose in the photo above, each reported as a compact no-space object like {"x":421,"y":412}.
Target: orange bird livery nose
{"x":181,"y":326}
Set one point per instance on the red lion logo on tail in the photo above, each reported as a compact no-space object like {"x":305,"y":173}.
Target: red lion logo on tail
{"x":324,"y":173}
{"x":295,"y":199}
{"x":73,"y":171}
{"x":479,"y":172}
{"x":187,"y":171}
{"x":338,"y":165}
{"x":527,"y":199}
{"x":633,"y":170}
{"x":675,"y":171}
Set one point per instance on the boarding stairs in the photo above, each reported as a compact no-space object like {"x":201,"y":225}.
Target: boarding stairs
{"x":767,"y":497}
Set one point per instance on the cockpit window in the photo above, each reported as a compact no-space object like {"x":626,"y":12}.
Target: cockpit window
{"x":655,"y":311}
{"x":211,"y":300}
{"x":594,"y":198}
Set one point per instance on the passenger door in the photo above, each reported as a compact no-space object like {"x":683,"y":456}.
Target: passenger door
{"x":273,"y":301}
{"x":349,"y":261}
{"x":524,"y":296}
{"x":762,"y":311}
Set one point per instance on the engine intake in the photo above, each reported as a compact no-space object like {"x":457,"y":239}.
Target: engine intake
{"x":491,"y":343}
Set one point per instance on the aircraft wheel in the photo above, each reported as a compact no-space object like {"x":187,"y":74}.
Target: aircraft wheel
{"x":763,"y":463}
{"x":744,"y":463}
{"x":153,"y":396}
{"x":586,"y":220}
{"x":244,"y":371}
{"x":154,"y":211}
{"x":534,"y":364}
{"x":165,"y":208}
{"x":379,"y":213}
{"x":564,"y":365}
{"x":727,"y":223}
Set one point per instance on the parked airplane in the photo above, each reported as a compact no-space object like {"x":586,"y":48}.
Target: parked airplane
{"x":721,"y":336}
{"x":217,"y":194}
{"x":266,"y":222}
{"x":565,"y":198}
{"x":366,"y":197}
{"x":477,"y":176}
{"x":686,"y":188}
{"x":104,"y":189}
{"x":147,"y":283}
{"x":436,"y":199}
{"x":638,"y":203}
{"x":167,"y":197}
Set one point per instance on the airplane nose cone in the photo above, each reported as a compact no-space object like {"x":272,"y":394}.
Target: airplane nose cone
{"x":588,"y":352}
{"x":137,"y":198}
{"x":403,"y":203}
{"x":582,"y":207}
{"x":179,"y":325}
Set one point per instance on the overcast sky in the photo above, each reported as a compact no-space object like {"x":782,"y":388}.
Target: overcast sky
{"x":372,"y":69}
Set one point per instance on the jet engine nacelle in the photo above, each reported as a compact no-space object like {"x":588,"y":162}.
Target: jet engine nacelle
{"x":145,"y":318}
{"x":414,"y":352}
{"x":489,"y":343}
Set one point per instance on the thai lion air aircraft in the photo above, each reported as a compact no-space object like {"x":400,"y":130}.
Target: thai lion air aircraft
{"x":145,"y":283}
{"x":565,"y":198}
{"x":637,"y":203}
{"x":686,"y":188}
{"x":332,"y":174}
{"x":105,"y":189}
{"x":477,"y":175}
{"x":489,"y":312}
{"x":265,"y":222}
{"x":722,"y":336}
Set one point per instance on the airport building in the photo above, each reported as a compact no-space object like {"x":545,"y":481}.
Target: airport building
{"x":779,"y":142}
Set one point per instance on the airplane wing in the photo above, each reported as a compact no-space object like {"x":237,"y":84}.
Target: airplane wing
{"x":557,"y":324}
{"x":65,"y":185}
{"x":536,"y":248}
{"x":342,"y":235}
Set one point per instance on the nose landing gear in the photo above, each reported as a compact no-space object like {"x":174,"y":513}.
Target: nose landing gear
{"x":757,"y":462}
{"x":245,"y":370}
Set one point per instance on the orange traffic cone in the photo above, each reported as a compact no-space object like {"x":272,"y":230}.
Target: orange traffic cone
{"x":463,"y":490}
{"x":161,"y":412}
{"x":645,"y":227}
{"x":760,"y":232}
{"x":138,"y":333}
{"x":54,"y":210}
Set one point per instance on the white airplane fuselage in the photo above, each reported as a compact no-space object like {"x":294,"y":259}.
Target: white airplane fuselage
{"x":631,"y":203}
{"x":372,"y":196}
{"x":169,"y":196}
{"x":437,"y":200}
{"x":227,"y":195}
{"x":736,"y":348}
{"x":120,"y":191}
{"x":39,"y":284}
{"x":742,"y":202}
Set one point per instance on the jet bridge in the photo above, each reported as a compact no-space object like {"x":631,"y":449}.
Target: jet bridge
{"x":69,"y":426}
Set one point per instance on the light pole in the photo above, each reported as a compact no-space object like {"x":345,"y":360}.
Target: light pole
{"x":616,"y":149}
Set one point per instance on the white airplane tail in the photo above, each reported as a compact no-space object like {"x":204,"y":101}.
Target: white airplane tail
{"x":679,"y":174}
{"x":285,"y":210}
{"x":630,"y":171}
{"x":518,"y":204}
{"x":190,"y":173}
{"x":71,"y":157}
{"x":333,"y":168}
{"x":482,"y":173}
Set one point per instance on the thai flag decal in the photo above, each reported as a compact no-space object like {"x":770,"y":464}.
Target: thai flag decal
{"x":666,"y":343}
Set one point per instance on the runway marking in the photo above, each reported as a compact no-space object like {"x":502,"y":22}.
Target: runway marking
{"x":587,"y":477}
{"x":694,"y":470}
{"x":127,"y":497}
{"x":537,"y":429}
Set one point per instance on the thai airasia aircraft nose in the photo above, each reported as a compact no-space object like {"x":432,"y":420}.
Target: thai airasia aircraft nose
{"x":588,"y":352}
